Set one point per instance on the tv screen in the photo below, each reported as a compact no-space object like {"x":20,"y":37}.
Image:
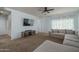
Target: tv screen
{"x":28,"y":22}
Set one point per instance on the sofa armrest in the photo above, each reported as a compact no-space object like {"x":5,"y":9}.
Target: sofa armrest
{"x":50,"y":33}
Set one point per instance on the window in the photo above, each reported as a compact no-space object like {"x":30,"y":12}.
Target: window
{"x":67,"y":23}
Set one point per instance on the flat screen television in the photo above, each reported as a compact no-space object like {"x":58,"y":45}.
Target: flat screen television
{"x":28,"y":22}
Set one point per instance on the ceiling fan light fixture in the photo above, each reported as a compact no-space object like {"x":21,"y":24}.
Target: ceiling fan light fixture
{"x":45,"y":13}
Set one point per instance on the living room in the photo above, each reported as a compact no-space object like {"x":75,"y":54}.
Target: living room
{"x":30,"y":27}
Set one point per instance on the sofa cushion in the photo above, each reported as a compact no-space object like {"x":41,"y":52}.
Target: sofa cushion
{"x":71,"y":43}
{"x":57,"y":35}
{"x":61,"y":31}
{"x":70,"y":36}
{"x":55,"y":30}
{"x":76,"y":40}
{"x":76,"y":33}
{"x":69,"y":32}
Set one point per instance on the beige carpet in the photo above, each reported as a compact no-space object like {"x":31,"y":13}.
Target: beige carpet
{"x":26,"y":44}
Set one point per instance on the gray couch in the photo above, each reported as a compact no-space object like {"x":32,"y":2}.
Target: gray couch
{"x":60,"y":33}
{"x":70,"y":37}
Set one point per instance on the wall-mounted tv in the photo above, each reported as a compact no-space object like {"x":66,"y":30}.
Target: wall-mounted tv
{"x":28,"y":22}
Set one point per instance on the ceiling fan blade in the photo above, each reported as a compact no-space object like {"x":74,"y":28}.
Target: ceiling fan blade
{"x":48,"y":12}
{"x":50,"y":9}
{"x":43,"y":11}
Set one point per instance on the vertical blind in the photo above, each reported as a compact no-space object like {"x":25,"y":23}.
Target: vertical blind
{"x":66,"y":23}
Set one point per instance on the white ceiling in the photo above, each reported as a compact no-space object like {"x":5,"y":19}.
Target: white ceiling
{"x":36,"y":10}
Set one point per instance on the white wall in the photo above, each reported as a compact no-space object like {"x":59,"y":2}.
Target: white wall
{"x":17,"y":23}
{"x":3,"y":25}
{"x":45,"y":25}
{"x":9,"y":25}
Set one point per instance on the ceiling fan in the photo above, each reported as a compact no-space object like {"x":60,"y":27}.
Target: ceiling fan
{"x":46,"y":10}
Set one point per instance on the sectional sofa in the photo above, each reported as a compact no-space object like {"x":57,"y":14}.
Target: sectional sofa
{"x":70,"y":37}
